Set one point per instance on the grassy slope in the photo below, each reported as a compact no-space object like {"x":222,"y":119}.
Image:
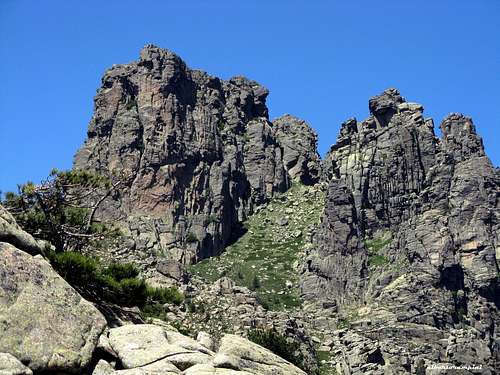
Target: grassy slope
{"x":266,"y":258}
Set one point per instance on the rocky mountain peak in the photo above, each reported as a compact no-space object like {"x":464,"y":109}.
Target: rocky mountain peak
{"x":199,"y":155}
{"x":383,"y":258}
{"x":409,"y":231}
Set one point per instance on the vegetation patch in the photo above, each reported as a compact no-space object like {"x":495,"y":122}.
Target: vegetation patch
{"x":115,"y":283}
{"x":265,"y":259}
{"x":376,"y":260}
{"x":382,"y":240}
{"x":375,"y":246}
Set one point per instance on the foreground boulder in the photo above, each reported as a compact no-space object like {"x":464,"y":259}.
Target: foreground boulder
{"x":10,"y":365}
{"x":151,"y":349}
{"x":45,"y":323}
{"x":239,"y":353}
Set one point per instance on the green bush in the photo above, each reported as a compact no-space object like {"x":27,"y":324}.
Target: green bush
{"x":133,"y":292}
{"x":164,"y":295}
{"x":154,"y":310}
{"x":109,"y":284}
{"x":117,"y":283}
{"x":256,"y":284}
{"x":278,"y":344}
{"x":120,"y":271}
{"x":74,"y":267}
{"x":377,"y":260}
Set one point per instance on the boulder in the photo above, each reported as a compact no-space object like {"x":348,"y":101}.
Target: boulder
{"x":208,"y":369}
{"x":144,"y":344}
{"x":46,"y":324}
{"x":171,"y":269}
{"x":253,"y":358}
{"x":206,"y":340}
{"x":151,"y":349}
{"x":161,"y":367}
{"x":10,"y":365}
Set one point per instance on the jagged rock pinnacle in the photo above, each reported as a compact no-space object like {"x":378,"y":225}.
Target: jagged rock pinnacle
{"x":409,"y":235}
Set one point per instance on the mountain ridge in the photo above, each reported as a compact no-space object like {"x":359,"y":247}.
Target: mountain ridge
{"x":400,"y":274}
{"x":389,"y":180}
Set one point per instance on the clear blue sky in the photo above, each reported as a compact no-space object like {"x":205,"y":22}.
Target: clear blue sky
{"x":321,"y":60}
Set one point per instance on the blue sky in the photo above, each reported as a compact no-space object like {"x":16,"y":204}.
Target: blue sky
{"x":321,"y":60}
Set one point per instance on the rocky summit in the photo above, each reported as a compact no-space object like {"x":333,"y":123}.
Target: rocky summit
{"x":237,"y":250}
{"x":198,"y":154}
{"x":408,"y":243}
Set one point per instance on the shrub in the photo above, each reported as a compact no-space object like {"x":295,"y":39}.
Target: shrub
{"x":132,"y":292}
{"x":190,"y":306}
{"x":74,"y":267}
{"x":154,"y":310}
{"x":278,"y":344}
{"x":377,"y":260}
{"x":120,"y":271}
{"x":164,"y":295}
{"x":117,"y":283}
{"x":109,"y":285}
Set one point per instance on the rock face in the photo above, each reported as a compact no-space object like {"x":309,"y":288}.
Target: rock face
{"x":198,"y":154}
{"x":410,"y":232}
{"x":151,"y":349}
{"x":300,"y":155}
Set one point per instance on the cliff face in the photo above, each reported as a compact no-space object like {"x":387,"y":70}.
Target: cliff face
{"x":198,"y":155}
{"x":410,"y":232}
